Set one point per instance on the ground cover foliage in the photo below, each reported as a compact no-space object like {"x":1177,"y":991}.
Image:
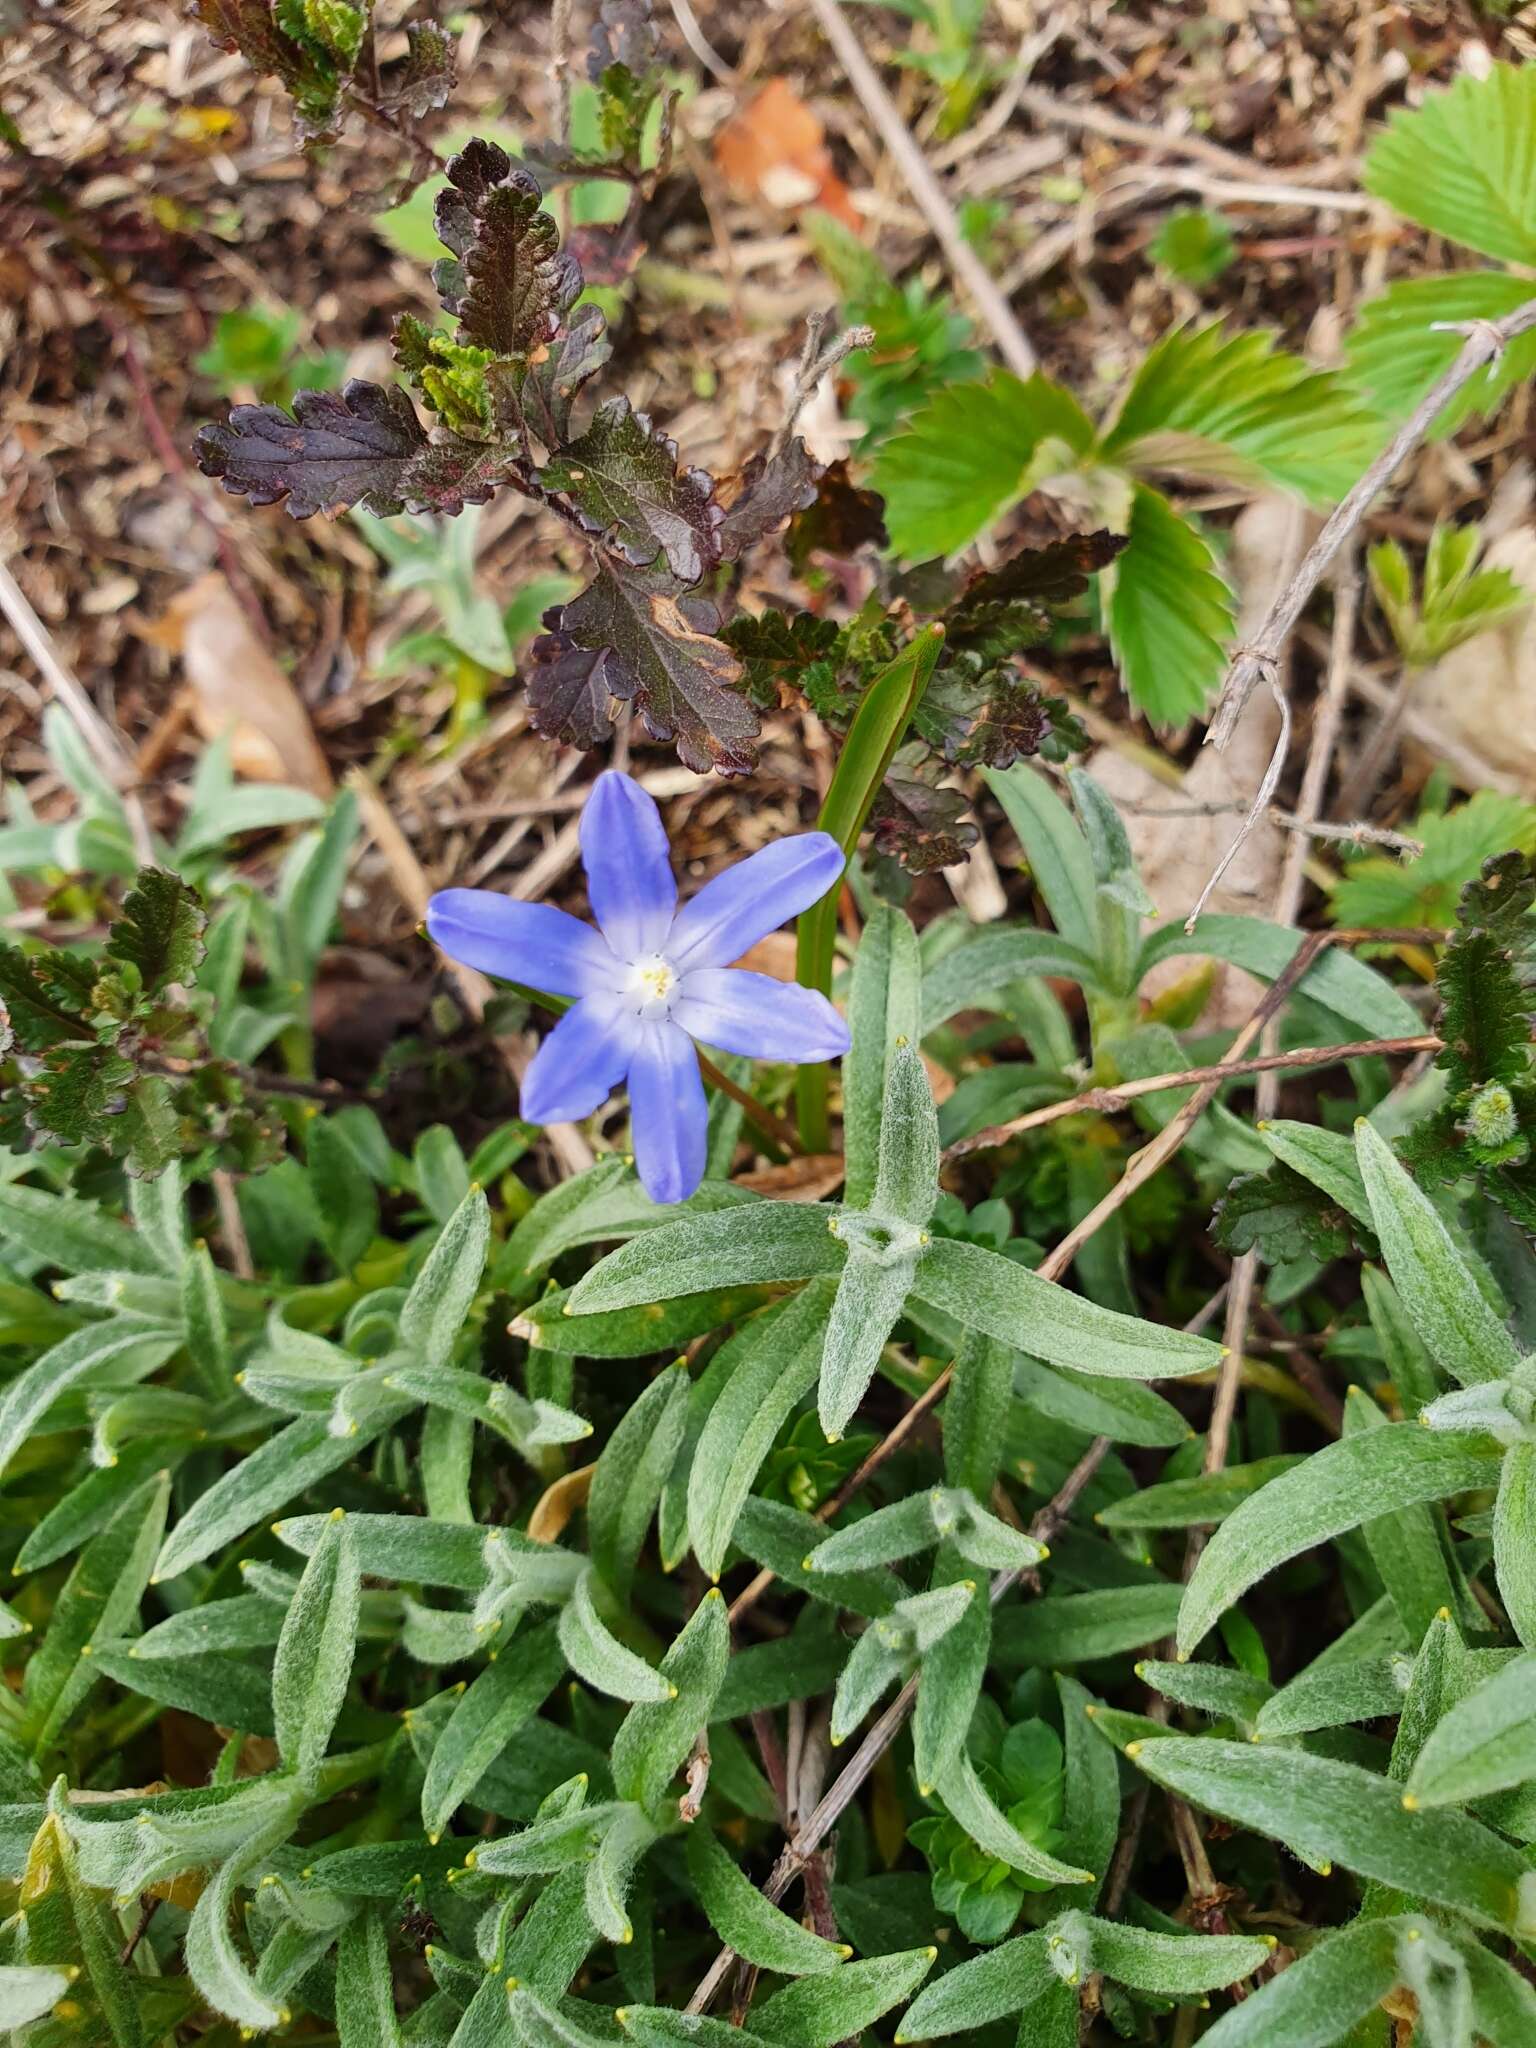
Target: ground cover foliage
{"x":1032,"y":1550}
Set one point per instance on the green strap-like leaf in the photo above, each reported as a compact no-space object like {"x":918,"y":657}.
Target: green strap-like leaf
{"x":986,"y":1988}
{"x":1364,"y":1001}
{"x":654,"y":1740}
{"x":970,"y":976}
{"x":597,"y":1656}
{"x":818,"y":2011}
{"x":365,"y":1992}
{"x":1059,"y":861}
{"x":884,"y":1006}
{"x":1337,"y":1488}
{"x":1316,"y":2000}
{"x":1514,"y":1539}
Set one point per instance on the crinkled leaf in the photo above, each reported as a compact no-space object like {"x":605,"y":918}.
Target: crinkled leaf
{"x":840,"y":519}
{"x":622,"y":478}
{"x":506,"y":282}
{"x":922,"y":827}
{"x":767,"y":491}
{"x":160,"y":930}
{"x":569,"y":698}
{"x":1283,"y":1216}
{"x":661,"y":654}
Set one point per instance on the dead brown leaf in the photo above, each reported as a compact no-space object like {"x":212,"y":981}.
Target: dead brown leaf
{"x":235,"y":686}
{"x":775,"y":150}
{"x":558,"y":1502}
{"x":805,"y":1179}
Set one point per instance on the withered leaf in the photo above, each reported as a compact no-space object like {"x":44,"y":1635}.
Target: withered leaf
{"x":663,"y":656}
{"x":764,"y":495}
{"x":363,"y":445}
{"x":841,"y":519}
{"x":624,"y":33}
{"x":922,"y":827}
{"x":569,"y":690}
{"x":623,"y":480}
{"x":427,"y":75}
{"x":1049,"y":576}
{"x":506,"y":280}
{"x":538,"y":396}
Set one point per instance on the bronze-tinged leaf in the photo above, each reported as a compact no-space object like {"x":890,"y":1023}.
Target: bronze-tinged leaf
{"x":1048,"y":576}
{"x":568,"y":690}
{"x":989,"y":722}
{"x":450,"y":473}
{"x":246,"y":27}
{"x":663,"y":656}
{"x":922,"y":827}
{"x":623,"y":481}
{"x":841,"y":519}
{"x":311,"y":66}
{"x":347,"y":447}
{"x":506,"y":280}
{"x":426,"y":77}
{"x":766,"y":493}
{"x":624,"y":33}
{"x":780,"y":647}
{"x":538,"y":396}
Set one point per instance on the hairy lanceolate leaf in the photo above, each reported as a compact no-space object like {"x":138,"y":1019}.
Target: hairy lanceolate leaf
{"x":622,"y":478}
{"x":662,"y":655}
{"x":506,"y":281}
{"x":768,"y":490}
{"x":362,"y":445}
{"x":160,"y":931}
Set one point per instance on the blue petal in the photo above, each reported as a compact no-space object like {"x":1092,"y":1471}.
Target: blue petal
{"x":669,"y":1122}
{"x":532,"y":943}
{"x":629,"y":873}
{"x":753,"y":898}
{"x":581,"y":1062}
{"x":753,"y":1014}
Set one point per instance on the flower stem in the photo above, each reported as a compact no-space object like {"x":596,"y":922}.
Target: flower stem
{"x":877,"y":731}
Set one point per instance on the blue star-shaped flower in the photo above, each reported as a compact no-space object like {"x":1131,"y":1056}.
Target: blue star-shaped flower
{"x":652,"y":978}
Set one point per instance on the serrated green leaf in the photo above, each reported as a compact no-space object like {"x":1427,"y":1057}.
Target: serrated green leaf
{"x":1170,"y":614}
{"x":1405,"y":338}
{"x":1460,"y":163}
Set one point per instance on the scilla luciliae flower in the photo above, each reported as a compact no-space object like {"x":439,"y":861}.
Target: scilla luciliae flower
{"x":652,"y":978}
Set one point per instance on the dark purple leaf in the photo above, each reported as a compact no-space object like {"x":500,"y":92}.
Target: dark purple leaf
{"x":363,"y":445}
{"x":663,"y":656}
{"x":841,"y":519}
{"x":347,"y":447}
{"x":623,"y":480}
{"x":1048,"y":576}
{"x":569,"y":695}
{"x":539,"y":395}
{"x":506,"y":281}
{"x":607,"y":253}
{"x":769,"y":489}
{"x":779,"y":647}
{"x":922,"y":827}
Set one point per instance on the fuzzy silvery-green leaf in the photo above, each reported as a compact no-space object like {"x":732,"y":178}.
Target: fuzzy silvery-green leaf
{"x":27,"y":1992}
{"x":1335,"y":1812}
{"x":1315,"y":2001}
{"x":405,"y":1547}
{"x":969,"y":975}
{"x":214,"y":1960}
{"x":1365,"y":1002}
{"x":952,"y":1670}
{"x":630,"y":1474}
{"x":611,"y":1872}
{"x":986,"y":1292}
{"x":596,"y":1655}
{"x":1219,"y":1689}
{"x":774,"y":1361}
{"x":884,"y":1007}
{"x":441,"y":1294}
{"x":1171,"y":1965}
{"x":506,"y":1694}
{"x":313,"y":1664}
{"x":1336,"y":1489}
{"x":1459,"y":1330}
{"x":1079,"y":1628}
{"x":124,"y":1344}
{"x":365,"y":1992}
{"x":1408,"y":1545}
{"x":985,"y":1988}
{"x":907,"y":1169}
{"x":1514,"y":1539}
{"x":1362,"y":1690}
{"x":748,"y":1922}
{"x":783,"y":1539}
{"x":1204,"y":1497}
{"x":1124,"y":1410}
{"x":968,"y":1802}
{"x":1485,"y":1743}
{"x":764,"y":1242}
{"x":871,"y":1290}
{"x":818,"y":2011}
{"x":654,"y":1741}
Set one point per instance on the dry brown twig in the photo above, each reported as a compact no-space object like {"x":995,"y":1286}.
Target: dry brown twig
{"x":1485,"y":342}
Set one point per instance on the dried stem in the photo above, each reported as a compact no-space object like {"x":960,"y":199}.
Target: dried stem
{"x":1013,"y":345}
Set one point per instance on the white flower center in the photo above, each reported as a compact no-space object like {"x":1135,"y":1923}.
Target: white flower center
{"x":653,"y":985}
